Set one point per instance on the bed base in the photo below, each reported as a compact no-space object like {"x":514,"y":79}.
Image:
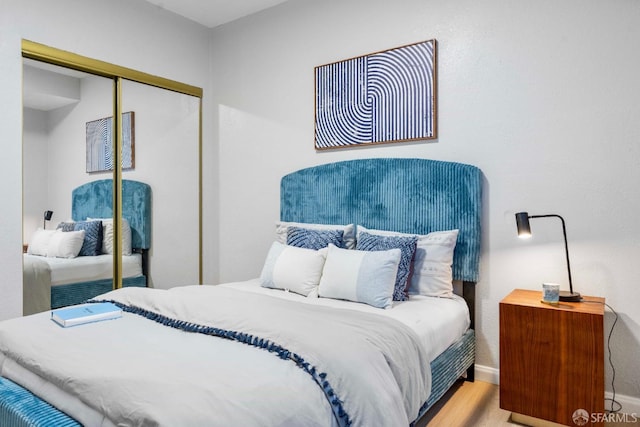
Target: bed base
{"x":449,"y":367}
{"x":20,"y":408}
{"x":469,"y":296}
{"x":77,"y":293}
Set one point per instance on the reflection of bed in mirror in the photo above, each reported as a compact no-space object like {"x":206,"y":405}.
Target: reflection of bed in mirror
{"x":57,"y":281}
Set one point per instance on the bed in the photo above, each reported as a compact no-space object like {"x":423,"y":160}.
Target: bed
{"x":285,"y":358}
{"x":53,"y":282}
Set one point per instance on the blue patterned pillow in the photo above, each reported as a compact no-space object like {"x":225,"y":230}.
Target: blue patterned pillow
{"x":314,"y":239}
{"x":407,"y":246}
{"x":92,"y":244}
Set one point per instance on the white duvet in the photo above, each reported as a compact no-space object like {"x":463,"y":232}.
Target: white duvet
{"x":134,"y":371}
{"x":438,"y":322}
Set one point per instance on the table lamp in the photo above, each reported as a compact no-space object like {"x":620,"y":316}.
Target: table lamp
{"x":524,"y":232}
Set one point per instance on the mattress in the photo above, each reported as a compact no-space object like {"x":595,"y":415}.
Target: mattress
{"x":438,"y":322}
{"x":89,"y":268}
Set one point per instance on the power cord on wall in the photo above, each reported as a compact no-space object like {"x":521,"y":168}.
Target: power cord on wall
{"x":613,"y":400}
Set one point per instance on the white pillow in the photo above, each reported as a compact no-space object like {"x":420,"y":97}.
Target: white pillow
{"x":293,"y":269}
{"x":432,"y":263}
{"x":65,"y":244}
{"x":40,"y":242}
{"x":360,"y":276}
{"x":107,"y":235}
{"x":348,"y":236}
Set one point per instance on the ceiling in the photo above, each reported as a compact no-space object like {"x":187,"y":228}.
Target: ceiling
{"x":209,"y":13}
{"x":212,"y":13}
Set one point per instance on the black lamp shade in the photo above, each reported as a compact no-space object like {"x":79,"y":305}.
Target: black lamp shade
{"x":47,"y":217}
{"x":522,"y":222}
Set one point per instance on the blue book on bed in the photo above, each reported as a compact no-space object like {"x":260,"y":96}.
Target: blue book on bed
{"x":86,"y":313}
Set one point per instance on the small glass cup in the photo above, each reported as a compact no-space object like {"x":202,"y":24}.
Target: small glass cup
{"x":551,"y":293}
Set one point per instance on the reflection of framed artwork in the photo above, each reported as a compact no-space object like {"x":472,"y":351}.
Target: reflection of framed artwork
{"x":100,"y":143}
{"x":384,"y":97}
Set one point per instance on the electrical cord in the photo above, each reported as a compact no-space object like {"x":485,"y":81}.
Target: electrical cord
{"x":613,"y":369}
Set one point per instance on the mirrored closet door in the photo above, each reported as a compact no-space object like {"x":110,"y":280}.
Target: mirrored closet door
{"x":166,"y":146}
{"x":132,"y":213}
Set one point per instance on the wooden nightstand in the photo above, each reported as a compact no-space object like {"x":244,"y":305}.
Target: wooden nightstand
{"x":551,"y":358}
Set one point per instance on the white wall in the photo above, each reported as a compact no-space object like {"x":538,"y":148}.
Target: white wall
{"x":130,"y":33}
{"x":541,"y":96}
{"x":35,"y":172}
{"x":66,"y":138}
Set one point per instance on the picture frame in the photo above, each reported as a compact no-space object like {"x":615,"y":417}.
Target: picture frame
{"x":383,"y":97}
{"x":99,"y":143}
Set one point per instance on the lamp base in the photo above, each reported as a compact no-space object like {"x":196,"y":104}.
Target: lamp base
{"x":567,"y":296}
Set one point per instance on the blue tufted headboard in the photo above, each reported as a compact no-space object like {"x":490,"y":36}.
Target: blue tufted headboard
{"x":95,"y":200}
{"x":406,"y":195}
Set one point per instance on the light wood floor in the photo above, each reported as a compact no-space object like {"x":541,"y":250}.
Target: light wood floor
{"x":475,"y":404}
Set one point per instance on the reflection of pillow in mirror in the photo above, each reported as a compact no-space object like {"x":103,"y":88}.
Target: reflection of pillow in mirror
{"x":65,"y":244}
{"x":92,"y":245}
{"x":66,"y":226}
{"x":40,"y":242}
{"x":107,"y":240}
{"x":107,"y":235}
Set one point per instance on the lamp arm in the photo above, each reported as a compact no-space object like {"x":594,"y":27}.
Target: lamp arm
{"x":566,"y":245}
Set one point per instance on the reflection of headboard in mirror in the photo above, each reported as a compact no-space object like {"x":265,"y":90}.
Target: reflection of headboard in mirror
{"x":95,"y":200}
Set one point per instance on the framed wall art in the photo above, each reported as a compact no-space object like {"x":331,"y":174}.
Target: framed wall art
{"x":100,"y":143}
{"x":383,"y":97}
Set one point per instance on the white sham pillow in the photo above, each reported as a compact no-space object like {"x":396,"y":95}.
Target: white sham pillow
{"x":361,"y":276}
{"x":348,"y":236}
{"x":65,"y":244}
{"x":292,"y":269}
{"x":432,"y":273}
{"x":40,"y":242}
{"x":107,"y":235}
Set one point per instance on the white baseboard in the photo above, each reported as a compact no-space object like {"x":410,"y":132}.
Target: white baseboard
{"x":630,"y":405}
{"x":487,"y":374}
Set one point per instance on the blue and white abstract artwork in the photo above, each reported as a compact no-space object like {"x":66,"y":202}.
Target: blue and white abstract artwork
{"x":100,"y":143}
{"x":383,"y":97}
